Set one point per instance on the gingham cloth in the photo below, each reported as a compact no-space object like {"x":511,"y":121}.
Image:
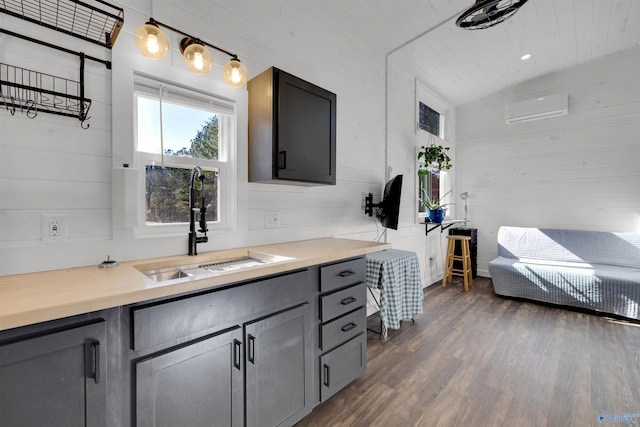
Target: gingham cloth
{"x":397,"y":274}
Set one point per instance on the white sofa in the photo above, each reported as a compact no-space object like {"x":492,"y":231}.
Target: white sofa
{"x":587,"y":269}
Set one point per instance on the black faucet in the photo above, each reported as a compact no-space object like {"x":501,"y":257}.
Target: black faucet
{"x":194,"y":239}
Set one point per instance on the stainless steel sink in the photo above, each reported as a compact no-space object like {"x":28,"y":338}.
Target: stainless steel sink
{"x":162,"y":274}
{"x":215,"y":267}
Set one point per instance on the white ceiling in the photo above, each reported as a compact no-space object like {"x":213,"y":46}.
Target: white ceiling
{"x":464,"y":65}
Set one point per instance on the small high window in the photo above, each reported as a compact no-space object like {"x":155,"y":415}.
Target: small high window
{"x":430,"y":120}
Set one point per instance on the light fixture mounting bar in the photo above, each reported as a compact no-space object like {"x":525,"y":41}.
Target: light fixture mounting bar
{"x":175,"y":30}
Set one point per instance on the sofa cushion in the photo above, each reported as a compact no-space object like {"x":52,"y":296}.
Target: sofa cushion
{"x":572,"y":246}
{"x":600,"y":287}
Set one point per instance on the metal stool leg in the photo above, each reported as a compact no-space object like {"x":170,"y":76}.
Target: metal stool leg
{"x":379,"y":332}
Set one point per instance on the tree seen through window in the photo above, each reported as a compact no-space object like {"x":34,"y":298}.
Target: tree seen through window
{"x":167,"y":188}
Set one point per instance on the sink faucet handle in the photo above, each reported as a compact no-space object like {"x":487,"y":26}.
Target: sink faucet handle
{"x":203,"y":219}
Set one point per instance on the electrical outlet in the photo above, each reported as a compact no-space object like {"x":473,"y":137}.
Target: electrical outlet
{"x":272,"y":219}
{"x":54,"y":228}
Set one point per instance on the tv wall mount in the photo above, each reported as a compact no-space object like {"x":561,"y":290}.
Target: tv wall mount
{"x":369,"y":205}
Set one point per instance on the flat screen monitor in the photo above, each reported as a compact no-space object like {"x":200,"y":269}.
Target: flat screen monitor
{"x":390,"y":205}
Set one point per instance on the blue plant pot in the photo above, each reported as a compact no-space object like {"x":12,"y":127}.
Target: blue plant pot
{"x":437,"y":215}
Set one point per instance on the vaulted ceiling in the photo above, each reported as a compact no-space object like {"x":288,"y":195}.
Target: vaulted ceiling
{"x":465,"y":65}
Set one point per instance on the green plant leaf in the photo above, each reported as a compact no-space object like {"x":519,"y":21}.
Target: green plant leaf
{"x":435,"y":155}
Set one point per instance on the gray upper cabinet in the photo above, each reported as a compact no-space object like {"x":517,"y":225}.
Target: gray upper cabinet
{"x":196,"y":385}
{"x":292,"y":130}
{"x":278,"y":368}
{"x":55,"y":379}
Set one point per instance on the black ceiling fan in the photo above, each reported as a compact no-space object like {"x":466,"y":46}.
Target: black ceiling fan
{"x":487,"y":13}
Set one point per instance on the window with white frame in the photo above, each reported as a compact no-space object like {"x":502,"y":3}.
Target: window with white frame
{"x":176,"y":129}
{"x":430,"y":181}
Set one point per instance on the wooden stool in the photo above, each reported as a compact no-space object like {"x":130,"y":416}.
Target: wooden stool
{"x":449,"y":271}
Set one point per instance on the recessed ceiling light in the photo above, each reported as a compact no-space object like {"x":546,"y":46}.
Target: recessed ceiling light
{"x":525,"y":56}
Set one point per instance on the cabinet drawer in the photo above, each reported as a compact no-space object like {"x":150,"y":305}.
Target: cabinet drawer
{"x":341,"y":302}
{"x":342,"y":274}
{"x":341,"y":366}
{"x":181,"y":320}
{"x":342,"y":329}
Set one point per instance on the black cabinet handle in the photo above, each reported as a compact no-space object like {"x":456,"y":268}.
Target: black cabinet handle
{"x":348,"y":327}
{"x":237,"y":346}
{"x":251,"y":350}
{"x":282,"y":161}
{"x":93,"y":360}
{"x":326,"y":375}
{"x":347,"y":301}
{"x":346,"y":273}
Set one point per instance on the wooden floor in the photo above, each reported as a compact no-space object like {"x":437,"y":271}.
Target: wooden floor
{"x":476,"y":359}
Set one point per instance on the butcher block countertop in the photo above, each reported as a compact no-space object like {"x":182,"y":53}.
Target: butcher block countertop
{"x":37,"y":297}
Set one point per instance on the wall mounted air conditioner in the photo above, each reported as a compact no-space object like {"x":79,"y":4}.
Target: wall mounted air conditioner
{"x":539,"y":108}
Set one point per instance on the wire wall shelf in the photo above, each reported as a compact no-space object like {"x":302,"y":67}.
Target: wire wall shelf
{"x":31,"y":92}
{"x":97,"y":22}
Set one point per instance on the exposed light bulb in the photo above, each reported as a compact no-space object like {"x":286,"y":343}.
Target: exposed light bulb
{"x":198,"y":62}
{"x":235,"y":75}
{"x":196,"y":57}
{"x":152,"y":43}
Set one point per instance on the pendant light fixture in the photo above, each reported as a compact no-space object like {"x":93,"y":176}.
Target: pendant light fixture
{"x":153,"y":43}
{"x":235,"y":73}
{"x":487,"y":13}
{"x":196,"y":57}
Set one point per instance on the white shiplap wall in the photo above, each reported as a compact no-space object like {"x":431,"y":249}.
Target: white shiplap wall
{"x":580,"y":171}
{"x":49,"y":165}
{"x":404,"y":90}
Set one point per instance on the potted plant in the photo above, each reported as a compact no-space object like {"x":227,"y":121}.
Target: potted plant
{"x":433,"y":157}
{"x":435,"y":208}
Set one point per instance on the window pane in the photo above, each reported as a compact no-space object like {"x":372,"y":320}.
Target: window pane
{"x":186,"y":130}
{"x":148,"y":125}
{"x":431,"y":184}
{"x":167,"y":194}
{"x":429,"y":120}
{"x":189,"y":132}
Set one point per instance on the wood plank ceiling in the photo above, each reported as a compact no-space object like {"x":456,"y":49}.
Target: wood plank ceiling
{"x":461,"y":65}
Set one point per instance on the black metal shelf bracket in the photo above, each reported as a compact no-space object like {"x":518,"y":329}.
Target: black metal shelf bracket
{"x":53,"y":46}
{"x":430,"y":226}
{"x":99,"y":22}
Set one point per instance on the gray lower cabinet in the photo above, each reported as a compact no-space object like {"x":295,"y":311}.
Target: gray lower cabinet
{"x":198,"y":384}
{"x":55,"y":379}
{"x":228,"y":357}
{"x":342,"y":365}
{"x":342,"y":329}
{"x":279,"y":368}
{"x":260,"y":353}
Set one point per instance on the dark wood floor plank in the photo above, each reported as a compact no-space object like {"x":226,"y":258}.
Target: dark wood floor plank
{"x":476,"y":359}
